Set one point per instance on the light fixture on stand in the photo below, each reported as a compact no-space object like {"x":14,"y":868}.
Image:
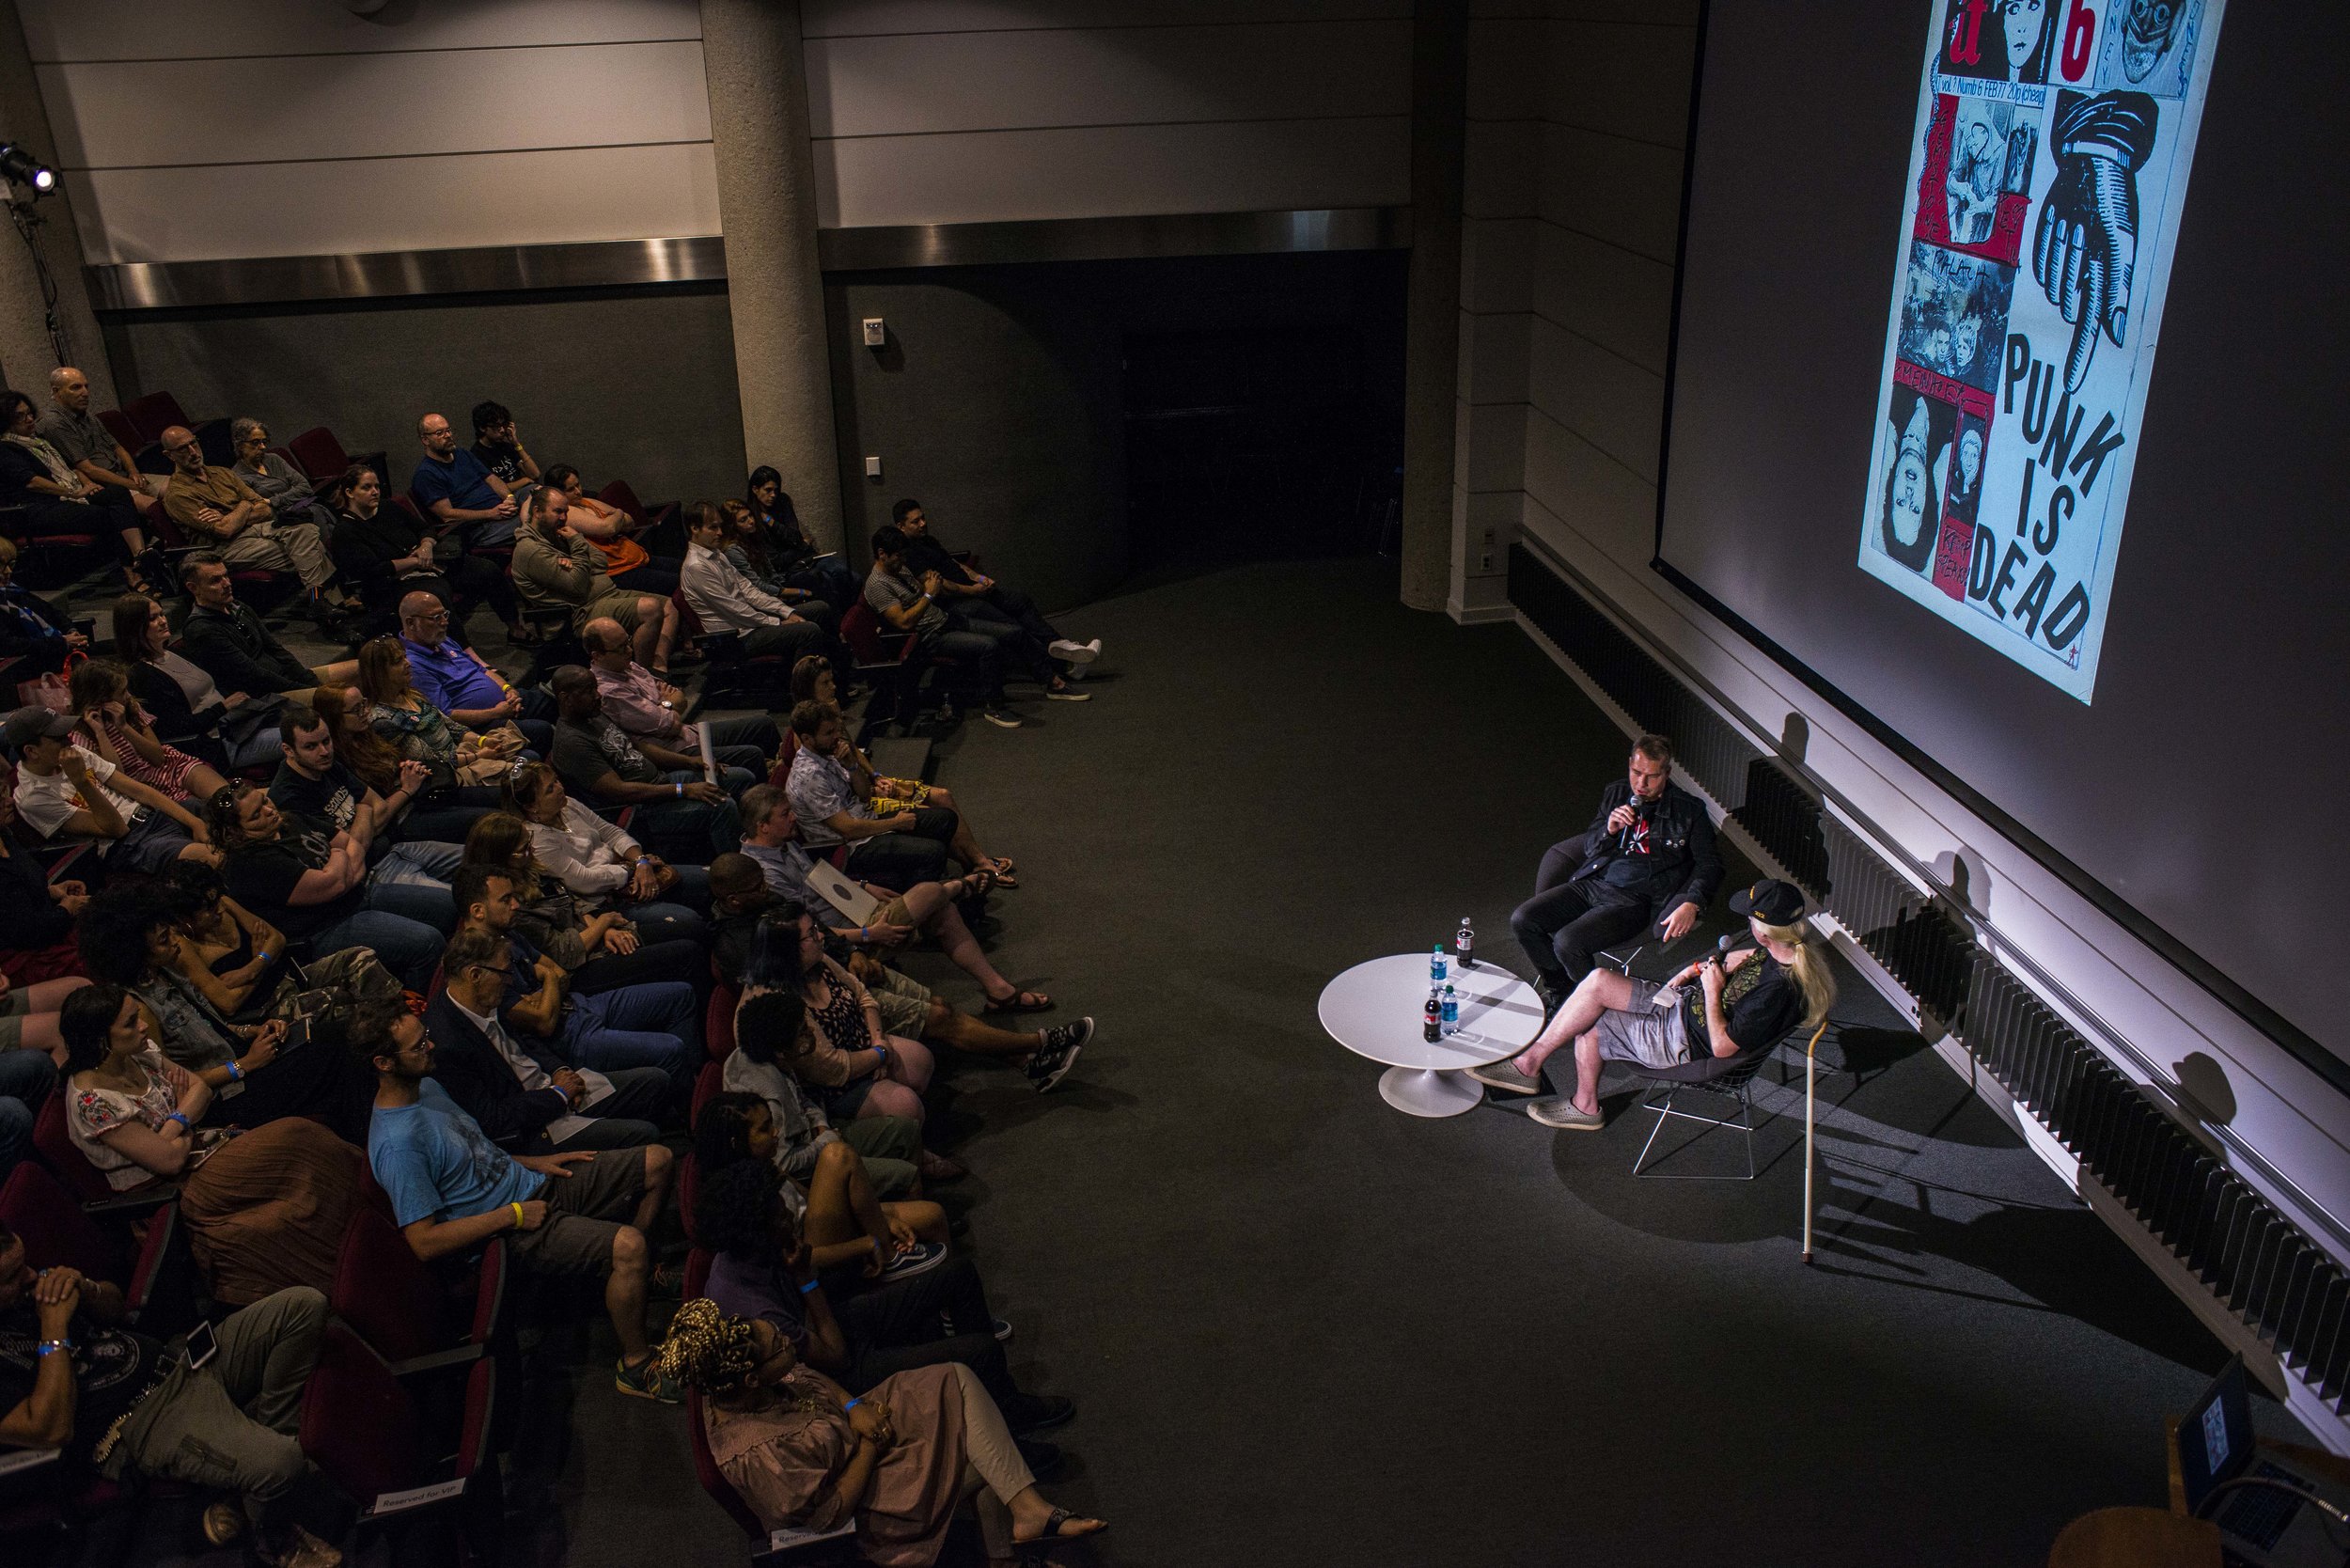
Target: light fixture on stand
{"x":29,"y":179}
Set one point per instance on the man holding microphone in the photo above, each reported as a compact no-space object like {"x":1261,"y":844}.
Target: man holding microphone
{"x":1648,"y":860}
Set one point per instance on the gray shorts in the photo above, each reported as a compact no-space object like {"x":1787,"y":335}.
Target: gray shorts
{"x":13,"y":1008}
{"x":1643,"y":1033}
{"x":585,"y":1210}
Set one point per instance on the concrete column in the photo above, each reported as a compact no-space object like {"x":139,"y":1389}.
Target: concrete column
{"x":26,"y":352}
{"x":775,"y":292}
{"x":1432,"y":343}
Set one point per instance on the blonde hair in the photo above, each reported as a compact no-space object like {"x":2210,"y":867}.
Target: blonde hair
{"x":709,"y":1351}
{"x":1808,"y":971}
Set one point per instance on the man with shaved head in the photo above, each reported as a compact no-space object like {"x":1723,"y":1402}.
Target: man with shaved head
{"x":213,"y":507}
{"x":91,"y":450}
{"x":451,"y":484}
{"x":460,"y":681}
{"x":559,"y":568}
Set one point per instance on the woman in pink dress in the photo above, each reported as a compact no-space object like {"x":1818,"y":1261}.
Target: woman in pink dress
{"x":896,"y":1461}
{"x":120,"y":732}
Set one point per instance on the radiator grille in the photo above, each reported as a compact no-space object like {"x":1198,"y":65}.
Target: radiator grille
{"x":2282,"y":1285}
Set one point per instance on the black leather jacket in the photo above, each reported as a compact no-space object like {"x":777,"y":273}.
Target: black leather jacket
{"x":1678,"y":863}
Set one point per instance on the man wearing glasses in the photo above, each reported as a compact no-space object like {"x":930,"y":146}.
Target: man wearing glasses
{"x":216,"y":508}
{"x":460,"y":682}
{"x":275,"y":479}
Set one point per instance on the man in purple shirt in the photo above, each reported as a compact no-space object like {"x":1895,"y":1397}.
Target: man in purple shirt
{"x":648,"y":708}
{"x":459,"y":683}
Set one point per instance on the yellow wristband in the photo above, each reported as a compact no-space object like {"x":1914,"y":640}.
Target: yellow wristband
{"x":518,"y":1215}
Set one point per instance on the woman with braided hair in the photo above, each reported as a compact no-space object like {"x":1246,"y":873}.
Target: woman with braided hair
{"x":897,"y":1462}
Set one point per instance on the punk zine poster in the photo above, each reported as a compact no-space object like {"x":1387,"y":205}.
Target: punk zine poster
{"x":2046,"y":178}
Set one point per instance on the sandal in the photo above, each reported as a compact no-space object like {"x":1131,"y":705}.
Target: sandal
{"x":1006,"y":874}
{"x":1021,"y":1001}
{"x":978,"y":880}
{"x":523,"y":637}
{"x":1054,"y":1530}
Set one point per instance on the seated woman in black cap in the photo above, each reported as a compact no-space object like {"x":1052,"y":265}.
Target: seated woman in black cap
{"x":1742,"y":1001}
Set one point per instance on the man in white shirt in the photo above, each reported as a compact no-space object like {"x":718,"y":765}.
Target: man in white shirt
{"x":650,"y":708}
{"x":65,"y":791}
{"x":725,"y":601}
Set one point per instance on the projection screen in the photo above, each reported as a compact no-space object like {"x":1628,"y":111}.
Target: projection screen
{"x":1921,"y":448}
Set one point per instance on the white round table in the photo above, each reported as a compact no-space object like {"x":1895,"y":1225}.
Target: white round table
{"x":1375,"y":1010}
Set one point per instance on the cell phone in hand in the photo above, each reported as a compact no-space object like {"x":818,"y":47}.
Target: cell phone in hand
{"x":201,"y":1346}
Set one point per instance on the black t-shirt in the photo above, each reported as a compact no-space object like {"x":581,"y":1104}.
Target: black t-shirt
{"x":261,"y":877}
{"x":111,"y":1370}
{"x":330,"y":802}
{"x":584,"y":753}
{"x":1759,"y":1011}
{"x":17,"y":468}
{"x":927,"y":555}
{"x":505,"y":462}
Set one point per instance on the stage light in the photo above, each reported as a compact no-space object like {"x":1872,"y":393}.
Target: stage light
{"x":20,"y":167}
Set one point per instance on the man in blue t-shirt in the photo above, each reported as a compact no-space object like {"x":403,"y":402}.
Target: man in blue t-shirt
{"x":452,"y":1189}
{"x":451,"y":484}
{"x":460,"y":681}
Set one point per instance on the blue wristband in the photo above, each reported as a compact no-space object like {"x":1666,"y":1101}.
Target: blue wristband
{"x":182,"y":1117}
{"x":809,"y":1286}
{"x":236,"y":1072}
{"x":48,"y":1345}
{"x":851,"y":1405}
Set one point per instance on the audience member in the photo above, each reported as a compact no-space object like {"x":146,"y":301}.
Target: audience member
{"x":601,"y":865}
{"x":33,"y":632}
{"x":763,"y":1266}
{"x":771,"y":838}
{"x":402,"y":715}
{"x":789,"y":551}
{"x":652,"y":1023}
{"x":460,"y":681}
{"x":228,"y":642}
{"x":747,"y":548}
{"x":133,"y":1112}
{"x":676,"y":804}
{"x":558,"y":569}
{"x":892,"y":842}
{"x":978,"y":603}
{"x":185,"y":702}
{"x":851,"y":1177}
{"x":119,"y":730}
{"x":36,"y":915}
{"x":451,"y":1189}
{"x":455,"y":490}
{"x":897,"y":1463}
{"x":841,"y":1053}
{"x":648,"y":708}
{"x":523,"y":1095}
{"x":499,"y":448}
{"x":613,"y":533}
{"x":129,"y":1405}
{"x":66,"y":793}
{"x":384,"y":552}
{"x":1647,"y":862}
{"x":235,"y":960}
{"x":82,"y":438}
{"x":814,"y":682}
{"x":725,"y":601}
{"x":314,"y":887}
{"x":130,"y":939}
{"x":440,"y":812}
{"x":600,"y":949}
{"x":408,"y":877}
{"x":274,"y":479}
{"x":1743,"y":1003}
{"x":216,"y":508}
{"x":975,"y":668}
{"x":29,"y":1043}
{"x":60,"y":498}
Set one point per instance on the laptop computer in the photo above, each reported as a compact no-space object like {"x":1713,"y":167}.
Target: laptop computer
{"x":2270,"y":1523}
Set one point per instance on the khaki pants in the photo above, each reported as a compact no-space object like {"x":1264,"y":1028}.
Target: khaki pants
{"x":993,"y":1473}
{"x":276,"y":546}
{"x":232,"y":1424}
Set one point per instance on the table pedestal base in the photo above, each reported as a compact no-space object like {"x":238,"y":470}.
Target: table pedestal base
{"x":1425,"y":1091}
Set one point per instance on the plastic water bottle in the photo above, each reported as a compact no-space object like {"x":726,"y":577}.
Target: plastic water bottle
{"x":1464,"y":946}
{"x":1432,"y":1027}
{"x":1436,"y":967}
{"x":1451,"y":1011}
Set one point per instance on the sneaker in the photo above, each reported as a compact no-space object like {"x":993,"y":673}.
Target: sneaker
{"x":1000,"y":717}
{"x":1059,"y":1053}
{"x":918,"y":1258}
{"x":1076,"y":652}
{"x":1504,"y":1076}
{"x":1001,"y":1329}
{"x":1030,"y":1413}
{"x":1559,"y":1112}
{"x":646,"y":1380}
{"x":296,"y":1547}
{"x":1066,"y":693}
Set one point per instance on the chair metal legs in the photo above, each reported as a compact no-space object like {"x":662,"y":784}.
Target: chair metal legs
{"x":1740,"y":1091}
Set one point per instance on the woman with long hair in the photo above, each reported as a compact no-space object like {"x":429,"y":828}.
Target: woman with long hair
{"x":119,"y":731}
{"x":182,"y":698}
{"x":627,"y":562}
{"x":438,"y":815}
{"x":789,"y":551}
{"x":384,"y":552}
{"x":1743,"y":1004}
{"x":58,"y":498}
{"x":824,"y":1183}
{"x":898,"y":1461}
{"x":600,"y":949}
{"x":847,"y":1060}
{"x":129,"y":1110}
{"x":456,"y":759}
{"x":233,"y":958}
{"x":600,"y":864}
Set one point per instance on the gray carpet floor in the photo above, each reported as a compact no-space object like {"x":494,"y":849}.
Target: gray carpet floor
{"x":1304,"y":1328}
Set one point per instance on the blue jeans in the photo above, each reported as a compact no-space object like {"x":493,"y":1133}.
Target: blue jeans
{"x":26,"y":1077}
{"x":637,"y":1025}
{"x":409,"y":948}
{"x":412,"y":881}
{"x":688,"y":832}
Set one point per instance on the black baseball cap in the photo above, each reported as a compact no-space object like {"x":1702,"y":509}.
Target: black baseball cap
{"x":1772,"y":901}
{"x":29,"y":724}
